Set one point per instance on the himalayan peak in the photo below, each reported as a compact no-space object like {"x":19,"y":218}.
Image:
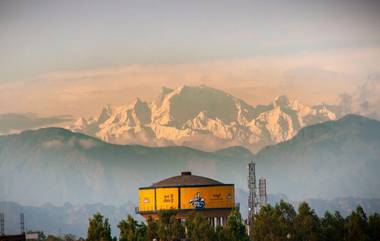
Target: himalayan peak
{"x":205,"y":118}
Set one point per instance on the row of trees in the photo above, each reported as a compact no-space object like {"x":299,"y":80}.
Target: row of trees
{"x":168,"y":228}
{"x":282,"y":222}
{"x":278,"y":223}
{"x":50,"y":237}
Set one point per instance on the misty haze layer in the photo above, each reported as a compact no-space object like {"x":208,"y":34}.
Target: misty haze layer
{"x":328,"y":160}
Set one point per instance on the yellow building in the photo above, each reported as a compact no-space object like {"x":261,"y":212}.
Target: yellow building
{"x":188,"y":193}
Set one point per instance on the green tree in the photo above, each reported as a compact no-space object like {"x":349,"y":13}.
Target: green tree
{"x":141,"y":232}
{"x":130,"y":230}
{"x":221,"y":234}
{"x":235,"y":227}
{"x":274,"y":223}
{"x":264,"y":225}
{"x":332,"y":227}
{"x":177,"y":229}
{"x":199,"y":228}
{"x":164,"y":233}
{"x":356,"y":226}
{"x":169,"y":228}
{"x":286,"y":215}
{"x":307,"y":224}
{"x":99,"y":230}
{"x":151,"y":229}
{"x":374,"y":227}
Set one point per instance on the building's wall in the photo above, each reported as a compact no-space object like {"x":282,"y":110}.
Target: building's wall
{"x":213,"y":196}
{"x":147,"y":200}
{"x":165,"y":198}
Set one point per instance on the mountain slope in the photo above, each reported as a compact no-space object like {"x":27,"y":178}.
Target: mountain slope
{"x":204,"y":118}
{"x":58,"y":165}
{"x":332,"y":159}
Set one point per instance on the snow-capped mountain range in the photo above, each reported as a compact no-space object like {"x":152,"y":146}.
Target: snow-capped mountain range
{"x":205,"y":118}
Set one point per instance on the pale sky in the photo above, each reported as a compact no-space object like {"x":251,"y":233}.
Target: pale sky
{"x":73,"y":57}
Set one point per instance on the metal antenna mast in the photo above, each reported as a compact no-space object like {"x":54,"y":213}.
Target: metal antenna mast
{"x":263,"y":192}
{"x":252,"y":198}
{"x":2,"y":231}
{"x":22,"y":223}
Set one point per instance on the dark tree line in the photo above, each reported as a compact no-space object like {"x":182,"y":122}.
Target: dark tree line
{"x":282,"y":222}
{"x":65,"y":237}
{"x":279,"y":223}
{"x":168,"y":228}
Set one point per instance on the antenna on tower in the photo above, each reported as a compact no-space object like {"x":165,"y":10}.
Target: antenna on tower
{"x":2,"y":232}
{"x":22,"y":223}
{"x":252,"y":198}
{"x":263,"y":199}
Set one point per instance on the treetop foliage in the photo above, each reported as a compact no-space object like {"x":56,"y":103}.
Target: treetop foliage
{"x":282,"y":222}
{"x":273,"y":223}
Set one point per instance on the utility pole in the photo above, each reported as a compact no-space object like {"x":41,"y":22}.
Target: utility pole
{"x":2,"y":231}
{"x":22,"y":223}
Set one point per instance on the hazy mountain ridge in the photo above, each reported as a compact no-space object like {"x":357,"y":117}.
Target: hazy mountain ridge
{"x":204,"y":118}
{"x":68,"y":218}
{"x":343,"y":153}
{"x":324,"y":161}
{"x":11,"y":123}
{"x":58,"y":165}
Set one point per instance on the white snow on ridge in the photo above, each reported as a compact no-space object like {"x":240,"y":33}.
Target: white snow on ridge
{"x":198,"y":116}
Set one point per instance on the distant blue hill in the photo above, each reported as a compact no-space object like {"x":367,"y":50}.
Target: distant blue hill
{"x":333,"y":159}
{"x":56,"y":165}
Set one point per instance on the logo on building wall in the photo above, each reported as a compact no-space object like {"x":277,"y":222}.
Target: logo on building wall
{"x":216,"y":197}
{"x":146,"y":200}
{"x":229,"y":196}
{"x":197,"y":201}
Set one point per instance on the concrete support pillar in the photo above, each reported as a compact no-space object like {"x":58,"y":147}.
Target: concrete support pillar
{"x":223,"y":221}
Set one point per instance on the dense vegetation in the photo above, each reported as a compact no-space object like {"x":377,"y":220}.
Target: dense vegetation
{"x":168,"y":228}
{"x":282,"y":222}
{"x":273,"y":223}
